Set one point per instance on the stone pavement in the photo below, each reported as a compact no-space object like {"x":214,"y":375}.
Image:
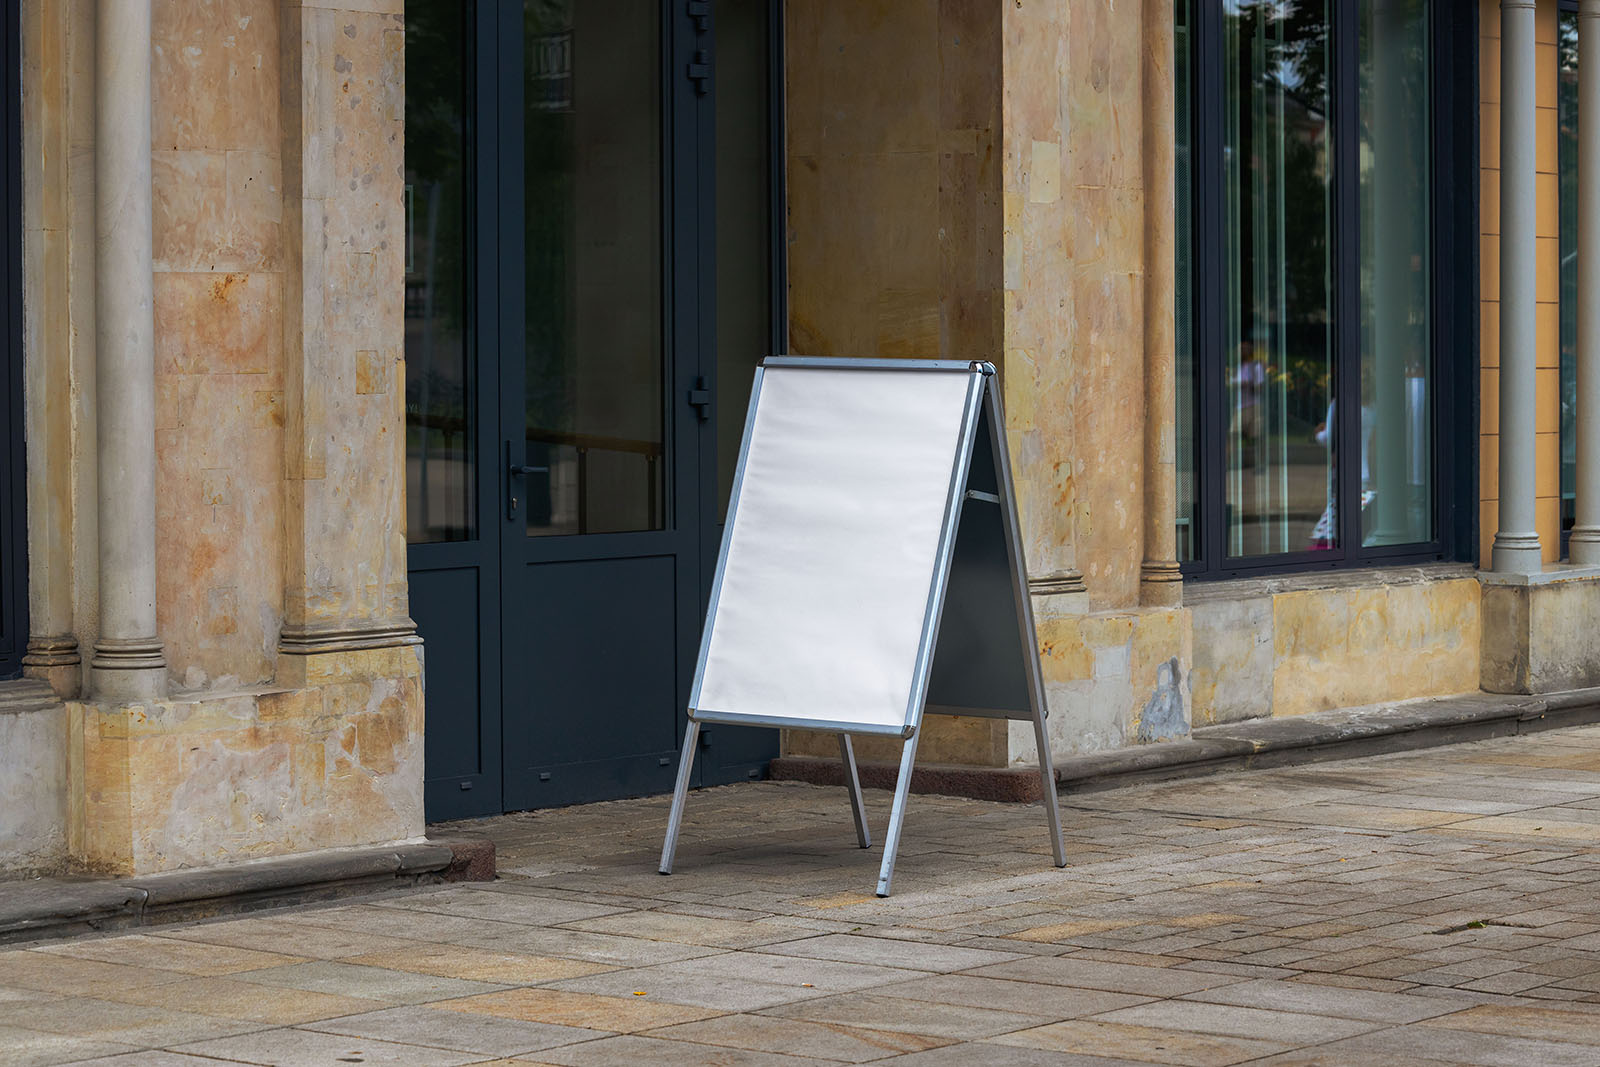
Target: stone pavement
{"x":1432,"y":907}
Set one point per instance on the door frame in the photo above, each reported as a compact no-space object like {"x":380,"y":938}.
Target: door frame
{"x":495,"y":221}
{"x":13,"y":464}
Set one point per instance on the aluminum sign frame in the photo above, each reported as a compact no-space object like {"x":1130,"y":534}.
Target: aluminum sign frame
{"x":981,"y":405}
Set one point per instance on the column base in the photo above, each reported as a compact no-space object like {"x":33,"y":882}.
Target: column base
{"x":1160,"y":583}
{"x":55,"y":660}
{"x":1583,"y":547}
{"x":127,"y":670}
{"x":1516,"y":553}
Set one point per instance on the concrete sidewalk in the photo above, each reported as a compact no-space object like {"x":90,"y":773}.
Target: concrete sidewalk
{"x":1429,"y":907}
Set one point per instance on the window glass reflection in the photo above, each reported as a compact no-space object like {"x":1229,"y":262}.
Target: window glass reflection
{"x":1188,"y":484}
{"x":594,"y":398}
{"x":1278,"y":367}
{"x":1396,"y":436}
{"x":1567,"y":165}
{"x":440,"y":370}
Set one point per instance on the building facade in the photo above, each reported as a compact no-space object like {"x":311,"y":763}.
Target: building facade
{"x":421,"y":333}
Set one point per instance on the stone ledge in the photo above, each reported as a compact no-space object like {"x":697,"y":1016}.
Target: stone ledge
{"x":61,"y":907}
{"x":1200,"y":591}
{"x":26,"y":694}
{"x":1257,"y":743}
{"x":1550,"y":575}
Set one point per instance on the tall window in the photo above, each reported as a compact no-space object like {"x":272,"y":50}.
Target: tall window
{"x":1306,"y":284}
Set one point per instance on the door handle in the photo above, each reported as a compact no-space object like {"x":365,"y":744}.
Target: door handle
{"x":700,"y":399}
{"x":513,"y":472}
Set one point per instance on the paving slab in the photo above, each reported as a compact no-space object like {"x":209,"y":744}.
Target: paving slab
{"x":1231,"y":1020}
{"x":1142,"y":1044}
{"x":761,"y":1033}
{"x":1365,"y":1005}
{"x":908,"y":1016}
{"x":455,"y":1030}
{"x":666,"y":1053}
{"x":290,"y":1047}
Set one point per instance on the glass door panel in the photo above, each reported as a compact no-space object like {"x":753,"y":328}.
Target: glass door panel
{"x":441,"y":372}
{"x":594,"y":405}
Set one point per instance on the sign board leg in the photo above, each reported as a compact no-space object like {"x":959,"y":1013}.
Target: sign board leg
{"x":853,"y":780}
{"x":1047,"y":775}
{"x":691,"y":740}
{"x":897,"y":815}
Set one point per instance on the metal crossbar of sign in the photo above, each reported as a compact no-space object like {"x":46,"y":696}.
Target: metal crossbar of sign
{"x":871,"y":570}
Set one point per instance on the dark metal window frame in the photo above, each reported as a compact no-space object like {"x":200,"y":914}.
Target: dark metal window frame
{"x":13,"y":467}
{"x":1454,"y":305}
{"x":1564,"y":520}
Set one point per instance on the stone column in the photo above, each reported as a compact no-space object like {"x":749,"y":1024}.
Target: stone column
{"x":1160,"y":582}
{"x":1516,"y":544}
{"x":52,"y":654}
{"x":343,"y":97}
{"x":128,"y":661}
{"x":1584,"y":546}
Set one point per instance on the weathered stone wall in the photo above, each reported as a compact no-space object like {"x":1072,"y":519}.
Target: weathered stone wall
{"x":1082,"y":80}
{"x":895,"y":241}
{"x":1074,"y":287}
{"x":219,"y":257}
{"x":33,"y":768}
{"x":990,"y":205}
{"x":893,"y":178}
{"x":296,"y":716}
{"x":1281,"y":647}
{"x":217,"y":778}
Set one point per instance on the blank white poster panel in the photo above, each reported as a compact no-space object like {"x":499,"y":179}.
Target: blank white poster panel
{"x":833,"y":548}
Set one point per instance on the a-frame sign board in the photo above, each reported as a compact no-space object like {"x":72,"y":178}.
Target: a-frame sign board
{"x":871,"y":570}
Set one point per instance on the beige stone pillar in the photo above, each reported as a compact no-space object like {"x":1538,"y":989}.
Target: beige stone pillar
{"x":52,"y":648}
{"x":1516,"y":543}
{"x":128,"y":661}
{"x":1160,"y":582}
{"x":1584,"y":546}
{"x":343,"y":160}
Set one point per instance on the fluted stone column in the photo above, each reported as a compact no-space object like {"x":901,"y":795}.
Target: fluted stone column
{"x":128,"y":663}
{"x":1160,"y":581}
{"x":1516,"y":543}
{"x":1584,"y":546}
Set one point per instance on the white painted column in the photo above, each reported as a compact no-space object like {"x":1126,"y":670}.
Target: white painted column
{"x":1516,"y":543}
{"x":128,"y":663}
{"x":1584,"y":546}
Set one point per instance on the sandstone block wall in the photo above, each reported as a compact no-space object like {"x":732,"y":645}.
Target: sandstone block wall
{"x":295,"y":716}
